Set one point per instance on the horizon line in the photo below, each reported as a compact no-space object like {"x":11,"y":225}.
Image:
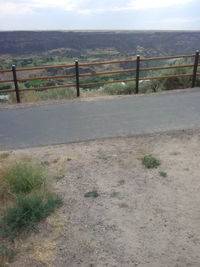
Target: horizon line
{"x":101,"y":30}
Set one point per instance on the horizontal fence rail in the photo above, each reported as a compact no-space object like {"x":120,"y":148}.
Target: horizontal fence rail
{"x":77,"y":75}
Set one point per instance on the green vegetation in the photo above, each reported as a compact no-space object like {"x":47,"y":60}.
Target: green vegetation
{"x":25,"y":198}
{"x":38,"y":84}
{"x":52,"y":94}
{"x":163,"y":174}
{"x":26,"y":211}
{"x":6,"y":255}
{"x":114,"y":194}
{"x":5,"y":87}
{"x":150,"y":162}
{"x":93,"y":194}
{"x":123,"y":205}
{"x":104,"y":78}
{"x":23,"y":177}
{"x":119,"y":89}
{"x":36,"y":61}
{"x":121,"y":182}
{"x":4,"y":155}
{"x":57,"y":93}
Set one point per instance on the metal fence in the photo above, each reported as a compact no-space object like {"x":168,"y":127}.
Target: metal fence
{"x":77,"y":76}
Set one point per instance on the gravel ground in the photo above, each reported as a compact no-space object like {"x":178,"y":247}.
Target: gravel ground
{"x":140,"y":218}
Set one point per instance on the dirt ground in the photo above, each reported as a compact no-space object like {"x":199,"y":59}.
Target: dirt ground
{"x":140,"y":218}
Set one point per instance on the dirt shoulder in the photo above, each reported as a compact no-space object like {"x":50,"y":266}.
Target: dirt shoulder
{"x":140,"y":218}
{"x":87,"y":96}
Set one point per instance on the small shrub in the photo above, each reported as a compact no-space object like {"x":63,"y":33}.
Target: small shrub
{"x":24,"y":176}
{"x":147,"y":87}
{"x":4,"y":156}
{"x":56,"y":93}
{"x":163,"y":174}
{"x":176,"y":82}
{"x":26,"y":211}
{"x":93,"y":194}
{"x":6,"y":255}
{"x":150,"y":162}
{"x":123,"y":205}
{"x":4,"y":192}
{"x":114,"y":194}
{"x":119,"y":89}
{"x":121,"y":182}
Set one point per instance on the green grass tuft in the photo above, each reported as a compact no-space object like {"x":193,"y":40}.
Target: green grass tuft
{"x":24,"y":176}
{"x":115,"y":194}
{"x":119,"y":89}
{"x":93,"y":193}
{"x":26,"y":211}
{"x":163,"y":174}
{"x":4,"y":156}
{"x":150,"y":162}
{"x":121,"y":182}
{"x":6,"y":255}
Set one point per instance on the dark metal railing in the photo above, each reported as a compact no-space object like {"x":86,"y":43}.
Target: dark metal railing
{"x":77,"y":74}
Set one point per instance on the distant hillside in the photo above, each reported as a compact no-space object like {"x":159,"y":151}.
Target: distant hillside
{"x":146,"y":43}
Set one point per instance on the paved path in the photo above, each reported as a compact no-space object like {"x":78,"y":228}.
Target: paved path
{"x":87,"y":120}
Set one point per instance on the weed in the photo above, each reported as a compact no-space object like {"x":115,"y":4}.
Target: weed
{"x":121,"y":182}
{"x":4,"y":156}
{"x":114,"y":194}
{"x":24,"y":176}
{"x":57,"y":93}
{"x":163,"y":174}
{"x":93,"y":194}
{"x":123,"y":205}
{"x":59,"y":177}
{"x":5,"y":194}
{"x":120,"y":89}
{"x":26,"y":211}
{"x":45,"y":163}
{"x":150,"y":162}
{"x":6,"y":255}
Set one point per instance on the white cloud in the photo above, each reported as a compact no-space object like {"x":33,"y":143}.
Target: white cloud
{"x":181,"y":21}
{"x":29,"y":6}
{"x":141,"y":4}
{"x":11,"y":8}
{"x":84,"y":6}
{"x":64,"y":4}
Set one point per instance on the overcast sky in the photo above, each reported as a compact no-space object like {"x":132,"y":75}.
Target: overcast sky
{"x":99,"y":14}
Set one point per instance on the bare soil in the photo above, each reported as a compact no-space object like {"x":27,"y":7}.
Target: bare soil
{"x":140,"y":218}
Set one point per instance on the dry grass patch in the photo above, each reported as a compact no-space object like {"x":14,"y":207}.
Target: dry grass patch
{"x":24,"y":200}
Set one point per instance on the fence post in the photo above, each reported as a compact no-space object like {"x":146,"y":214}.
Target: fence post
{"x":137,"y":74}
{"x":196,"y":61}
{"x":77,"y":78}
{"x":16,"y":83}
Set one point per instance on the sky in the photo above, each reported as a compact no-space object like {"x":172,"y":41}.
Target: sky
{"x":99,"y":15}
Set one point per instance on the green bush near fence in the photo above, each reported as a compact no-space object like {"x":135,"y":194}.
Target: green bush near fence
{"x":119,"y":89}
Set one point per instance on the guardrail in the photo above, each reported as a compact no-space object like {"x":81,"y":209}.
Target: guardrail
{"x":77,"y":76}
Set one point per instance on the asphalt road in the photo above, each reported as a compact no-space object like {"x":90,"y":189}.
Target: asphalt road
{"x":88,"y":120}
